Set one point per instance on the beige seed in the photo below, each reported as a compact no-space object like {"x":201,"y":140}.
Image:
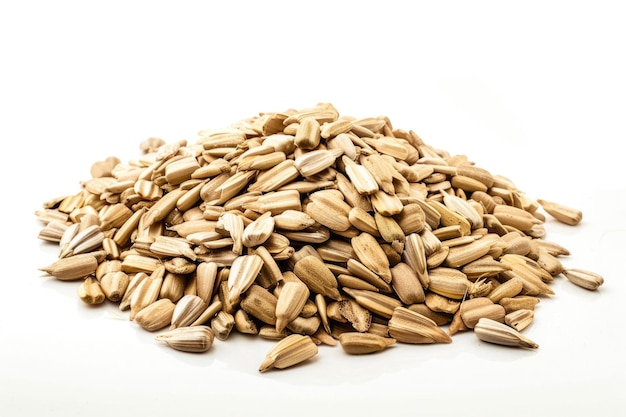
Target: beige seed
{"x":473,"y":310}
{"x":359,"y":270}
{"x":187,"y":310}
{"x":562,"y":213}
{"x":415,"y":256}
{"x":188,"y":339}
{"x":292,"y":350}
{"x":314,"y":162}
{"x":370,"y":253}
{"x":509,"y":289}
{"x":147,"y":292}
{"x":244,"y":324}
{"x":308,"y":133}
{"x":90,"y":291}
{"x":135,"y":280}
{"x":156,"y":316}
{"x":499,"y":333}
{"x":257,"y":232}
{"x":222,"y":324}
{"x":484,"y":267}
{"x":406,"y":284}
{"x":358,"y":316}
{"x":360,"y":177}
{"x":72,"y":268}
{"x":582,"y":278}
{"x":519,"y":319}
{"x":519,"y":302}
{"x":448,"y":282}
{"x":407,"y":326}
{"x":316,"y":275}
{"x":242,"y":274}
{"x":304,"y":325}
{"x":441,"y":304}
{"x":293,"y":220}
{"x":461,"y":255}
{"x":114,"y":285}
{"x":380,"y":304}
{"x":260,"y":303}
{"x":355,"y":343}
{"x":291,"y":300}
{"x":209,"y":313}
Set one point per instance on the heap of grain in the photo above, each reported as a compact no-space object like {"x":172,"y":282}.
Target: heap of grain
{"x":306,"y":227}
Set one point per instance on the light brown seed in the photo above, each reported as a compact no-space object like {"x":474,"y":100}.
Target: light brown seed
{"x":72,"y":268}
{"x":156,"y":316}
{"x":562,"y":213}
{"x":448,"y":282}
{"x":242,"y":274}
{"x":196,"y":339}
{"x":308,"y":133}
{"x":291,"y":350}
{"x":314,"y":162}
{"x":461,"y":255}
{"x":291,"y":300}
{"x":244,"y":324}
{"x":222,"y":324}
{"x":358,"y":316}
{"x":499,"y":333}
{"x":441,"y":304}
{"x":260,"y":303}
{"x":582,"y":278}
{"x":316,"y":275}
{"x":360,"y":177}
{"x":187,"y":310}
{"x":519,"y":302}
{"x":90,"y":291}
{"x":519,"y":319}
{"x":370,"y":253}
{"x":508,"y":289}
{"x":377,"y":303}
{"x":406,"y":284}
{"x":114,"y":285}
{"x":407,"y":326}
{"x":355,"y":343}
{"x":147,"y":291}
{"x":293,"y":220}
{"x":473,"y":310}
{"x":415,"y":256}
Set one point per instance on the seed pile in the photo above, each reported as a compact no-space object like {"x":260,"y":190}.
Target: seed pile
{"x":309,"y":228}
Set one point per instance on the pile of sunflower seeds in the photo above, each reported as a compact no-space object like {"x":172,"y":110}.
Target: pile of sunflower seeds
{"x":307,"y":227}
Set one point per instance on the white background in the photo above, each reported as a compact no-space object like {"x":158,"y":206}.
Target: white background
{"x":534,"y":91}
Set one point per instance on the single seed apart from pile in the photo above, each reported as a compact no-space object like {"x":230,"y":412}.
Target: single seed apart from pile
{"x":188,"y":339}
{"x":290,"y":351}
{"x":492,"y":331}
{"x":306,"y":227}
